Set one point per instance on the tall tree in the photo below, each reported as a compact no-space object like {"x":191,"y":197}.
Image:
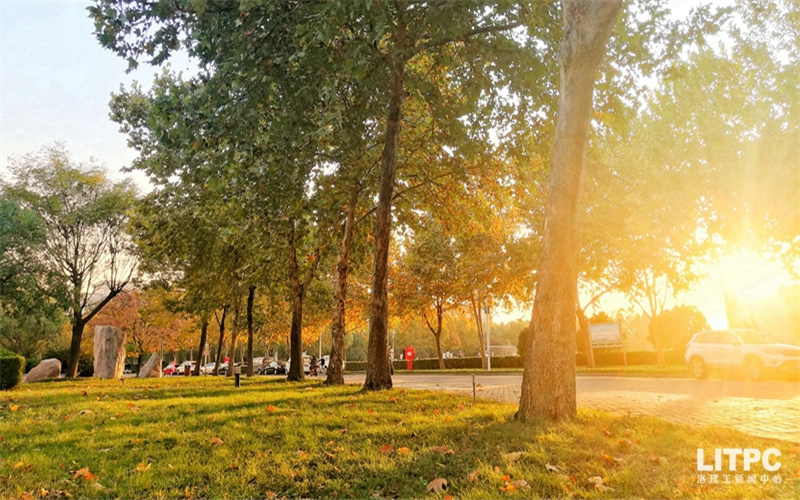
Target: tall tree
{"x":548,"y":386}
{"x":84,"y":216}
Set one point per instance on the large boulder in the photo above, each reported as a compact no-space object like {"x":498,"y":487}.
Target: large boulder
{"x":47,"y":368}
{"x":152,"y":368}
{"x":109,"y":352}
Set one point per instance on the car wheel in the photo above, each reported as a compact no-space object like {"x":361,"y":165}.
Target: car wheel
{"x":698,"y":368}
{"x":754,"y":369}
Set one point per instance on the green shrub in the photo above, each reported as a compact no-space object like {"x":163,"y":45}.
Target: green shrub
{"x":11,"y":369}
{"x":30,"y":363}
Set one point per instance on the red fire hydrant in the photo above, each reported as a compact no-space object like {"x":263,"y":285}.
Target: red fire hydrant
{"x":409,"y":355}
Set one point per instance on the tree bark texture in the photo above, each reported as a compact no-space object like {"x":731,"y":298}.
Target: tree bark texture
{"x":336,"y":365}
{"x":437,"y":333}
{"x":203,"y":341}
{"x":251,"y":296}
{"x":378,"y":373}
{"x":221,"y":323}
{"x":75,"y":347}
{"x":237,"y":306}
{"x":548,"y":381}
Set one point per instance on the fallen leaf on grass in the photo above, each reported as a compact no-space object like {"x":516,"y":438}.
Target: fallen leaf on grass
{"x":473,"y":476}
{"x":513,"y":457}
{"x":437,"y":485}
{"x":403,"y":449}
{"x":13,"y":407}
{"x":610,"y":459}
{"x":506,"y":478}
{"x":18,"y":465}
{"x":86,"y":412}
{"x":626,"y":443}
{"x":521,"y":484}
{"x":343,"y":431}
{"x":508,"y":488}
{"x":386,"y":449}
{"x":271,"y":494}
{"x":599,"y":484}
{"x":552,"y":468}
{"x":445,"y":450}
{"x":607,"y":432}
{"x":270,"y":408}
{"x":283,"y":417}
{"x":216,"y":441}
{"x":106,"y":450}
{"x":98,"y":486}
{"x":141,"y":467}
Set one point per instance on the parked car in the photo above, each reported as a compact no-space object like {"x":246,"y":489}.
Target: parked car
{"x":274,"y":368}
{"x":749,"y":350}
{"x":223,"y":368}
{"x":306,"y":364}
{"x":171,"y":369}
{"x":181,"y":370}
{"x":208,"y":368}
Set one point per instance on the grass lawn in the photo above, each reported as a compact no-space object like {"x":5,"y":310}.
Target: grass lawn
{"x":201,"y":438}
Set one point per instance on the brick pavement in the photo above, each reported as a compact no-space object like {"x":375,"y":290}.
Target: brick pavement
{"x":767,"y":409}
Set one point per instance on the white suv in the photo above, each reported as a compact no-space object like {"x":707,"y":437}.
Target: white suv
{"x":748,"y":349}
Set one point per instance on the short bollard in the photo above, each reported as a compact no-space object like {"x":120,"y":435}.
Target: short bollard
{"x":237,"y":373}
{"x":474,"y":397}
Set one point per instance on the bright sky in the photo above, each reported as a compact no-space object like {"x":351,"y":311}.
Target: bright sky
{"x":55,"y":85}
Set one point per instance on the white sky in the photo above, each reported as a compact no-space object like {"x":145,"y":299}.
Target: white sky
{"x":55,"y":85}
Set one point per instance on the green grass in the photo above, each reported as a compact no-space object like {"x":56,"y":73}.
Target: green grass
{"x":153,"y":439}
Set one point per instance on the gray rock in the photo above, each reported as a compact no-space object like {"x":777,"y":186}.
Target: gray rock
{"x":47,"y":368}
{"x":109,"y":352}
{"x":152,"y":368}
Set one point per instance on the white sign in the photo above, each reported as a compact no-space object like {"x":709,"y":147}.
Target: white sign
{"x":606,"y":335}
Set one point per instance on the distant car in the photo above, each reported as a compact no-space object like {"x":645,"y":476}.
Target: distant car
{"x":750,"y":350}
{"x":274,"y":368}
{"x":306,"y":365}
{"x":208,"y":368}
{"x":223,"y":368}
{"x":171,"y":369}
{"x":181,"y":370}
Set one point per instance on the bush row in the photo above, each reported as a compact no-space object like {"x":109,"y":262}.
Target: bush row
{"x":601,"y":358}
{"x":11,"y":369}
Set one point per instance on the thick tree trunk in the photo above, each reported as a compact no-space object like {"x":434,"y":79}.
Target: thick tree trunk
{"x":548,"y":382}
{"x":203,"y":342}
{"x":221,"y":324}
{"x":336,"y":365}
{"x":296,"y":372}
{"x":75,"y":346}
{"x":251,"y":296}
{"x":378,"y":374}
{"x":237,"y":307}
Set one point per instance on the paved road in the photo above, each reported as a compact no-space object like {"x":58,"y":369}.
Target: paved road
{"x":768,"y":409}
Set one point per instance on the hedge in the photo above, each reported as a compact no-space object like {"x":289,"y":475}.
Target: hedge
{"x":11,"y":369}
{"x":601,"y":358}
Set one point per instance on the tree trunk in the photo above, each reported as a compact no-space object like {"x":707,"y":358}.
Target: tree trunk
{"x":75,"y":346}
{"x":476,"y":312}
{"x":221,"y":324}
{"x":139,"y":360}
{"x":548,"y":382}
{"x":251,"y":296}
{"x":336,"y":364}
{"x":203,"y":341}
{"x":378,"y":374}
{"x":437,"y":334}
{"x":237,"y":306}
{"x":656,"y":343}
{"x":296,"y":372}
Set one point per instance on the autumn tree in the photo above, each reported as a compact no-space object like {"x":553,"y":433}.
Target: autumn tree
{"x":548,"y":386}
{"x":83,"y":214}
